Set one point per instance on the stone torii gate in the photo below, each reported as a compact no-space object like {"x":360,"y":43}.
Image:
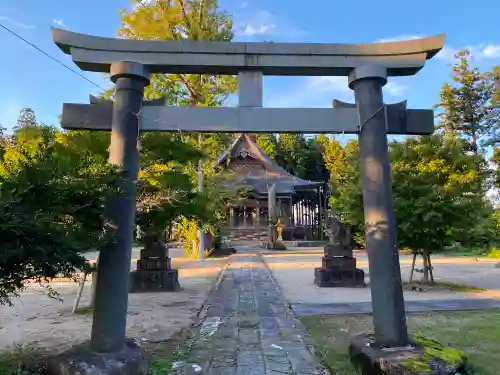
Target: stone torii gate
{"x":367,"y":67}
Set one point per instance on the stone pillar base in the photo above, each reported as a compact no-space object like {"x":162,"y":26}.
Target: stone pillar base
{"x":335,"y":250}
{"x":338,"y":269}
{"x":81,"y":360}
{"x":338,"y":278}
{"x":373,"y":359}
{"x":278,"y":245}
{"x":144,"y":281}
{"x":344,"y":262}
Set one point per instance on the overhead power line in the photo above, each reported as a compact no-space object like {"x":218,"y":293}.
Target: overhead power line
{"x":50,"y":56}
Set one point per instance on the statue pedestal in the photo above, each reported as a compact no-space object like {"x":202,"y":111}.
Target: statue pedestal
{"x":278,"y":245}
{"x":154,"y":272}
{"x":338,"y":268}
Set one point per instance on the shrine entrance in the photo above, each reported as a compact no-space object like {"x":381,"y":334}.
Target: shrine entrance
{"x":367,"y":66}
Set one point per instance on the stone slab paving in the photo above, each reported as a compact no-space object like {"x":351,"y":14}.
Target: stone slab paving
{"x":248,"y":328}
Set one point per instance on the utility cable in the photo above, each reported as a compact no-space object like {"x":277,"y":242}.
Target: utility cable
{"x":50,"y":56}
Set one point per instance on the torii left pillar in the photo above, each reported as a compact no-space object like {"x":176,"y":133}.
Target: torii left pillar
{"x":110,"y":315}
{"x":109,"y":352}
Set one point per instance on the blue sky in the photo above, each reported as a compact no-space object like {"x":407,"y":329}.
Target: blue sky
{"x":30,"y":79}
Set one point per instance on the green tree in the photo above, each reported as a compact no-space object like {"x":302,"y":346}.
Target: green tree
{"x":333,"y":156}
{"x":219,"y":193}
{"x":166,"y":191}
{"x":290,"y":148}
{"x":494,"y":113}
{"x":311,"y":164}
{"x":182,"y":20}
{"x":268,"y":143}
{"x":346,"y":194}
{"x":51,"y":208}
{"x":26,"y":118}
{"x":435,"y":185}
{"x":465,"y":103}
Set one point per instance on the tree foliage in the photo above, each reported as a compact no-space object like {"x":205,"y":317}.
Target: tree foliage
{"x":435,"y":185}
{"x":465,"y":104}
{"x":51,"y":207}
{"x":166,"y":189}
{"x":182,"y":20}
{"x":167,"y":186}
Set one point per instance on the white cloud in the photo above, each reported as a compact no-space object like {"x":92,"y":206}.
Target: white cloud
{"x":328,"y":84}
{"x":492,"y":50}
{"x":447,"y":53}
{"x":399,"y":38}
{"x":395,"y":89}
{"x":262,"y":23}
{"x":339,"y":84}
{"x":253,"y":30}
{"x":320,"y":91}
{"x":58,"y":22}
{"x":16,"y":23}
{"x":477,"y":51}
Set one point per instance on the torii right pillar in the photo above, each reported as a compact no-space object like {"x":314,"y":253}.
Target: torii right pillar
{"x":381,"y":240}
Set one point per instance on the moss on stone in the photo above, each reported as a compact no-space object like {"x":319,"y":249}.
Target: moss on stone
{"x":433,"y":350}
{"x":417,"y":366}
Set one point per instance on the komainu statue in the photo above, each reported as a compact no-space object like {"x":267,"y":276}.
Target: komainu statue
{"x":338,"y":267}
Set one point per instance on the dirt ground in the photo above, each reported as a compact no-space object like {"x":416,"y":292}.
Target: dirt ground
{"x":294,"y":271}
{"x":37,"y":319}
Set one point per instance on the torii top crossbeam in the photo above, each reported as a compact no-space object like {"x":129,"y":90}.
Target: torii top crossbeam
{"x":96,"y":54}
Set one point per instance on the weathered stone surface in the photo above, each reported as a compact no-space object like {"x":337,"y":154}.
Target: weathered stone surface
{"x":257,"y":333}
{"x":333,"y":250}
{"x":324,"y":277}
{"x":277,"y":245}
{"x":81,"y":360}
{"x":411,"y":360}
{"x":342,"y":262}
{"x":154,"y":281}
{"x":154,"y":264}
{"x":154,"y":271}
{"x":338,"y":265}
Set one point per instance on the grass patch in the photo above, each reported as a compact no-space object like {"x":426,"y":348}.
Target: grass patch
{"x":473,"y":332}
{"x":459,"y":287}
{"x":486,"y":252}
{"x":85,"y":310}
{"x":494,"y":253}
{"x":164,"y":354}
{"x":22,"y":360}
{"x":441,"y":286}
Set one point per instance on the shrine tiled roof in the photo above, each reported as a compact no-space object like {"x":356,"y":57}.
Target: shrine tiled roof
{"x":257,"y":171}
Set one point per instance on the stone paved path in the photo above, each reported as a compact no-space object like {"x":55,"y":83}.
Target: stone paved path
{"x":248,"y":330}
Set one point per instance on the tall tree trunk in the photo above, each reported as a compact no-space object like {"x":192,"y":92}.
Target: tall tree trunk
{"x":425,"y":278}
{"x":431,"y":273}
{"x":413,"y":266}
{"x":473,"y":143}
{"x":94,"y":284}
